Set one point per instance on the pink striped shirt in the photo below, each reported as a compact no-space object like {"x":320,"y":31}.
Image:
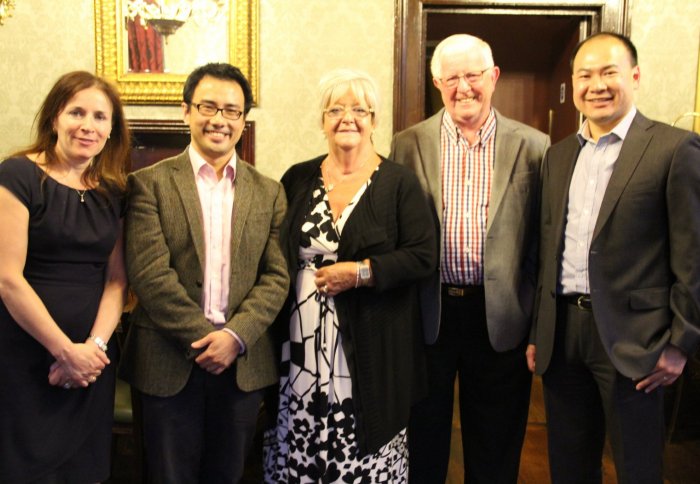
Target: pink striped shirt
{"x":216,"y":199}
{"x":467,"y":172}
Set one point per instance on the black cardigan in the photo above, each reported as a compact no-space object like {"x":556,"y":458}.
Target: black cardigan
{"x":381,"y":326}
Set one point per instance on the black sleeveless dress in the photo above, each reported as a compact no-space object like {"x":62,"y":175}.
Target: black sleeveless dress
{"x":46,"y":430}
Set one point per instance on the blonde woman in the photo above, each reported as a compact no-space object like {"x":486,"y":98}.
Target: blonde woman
{"x":358,"y":238}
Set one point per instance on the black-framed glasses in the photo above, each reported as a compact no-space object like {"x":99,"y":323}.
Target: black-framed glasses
{"x":209,"y":111}
{"x":472,"y":78}
{"x":336,"y":112}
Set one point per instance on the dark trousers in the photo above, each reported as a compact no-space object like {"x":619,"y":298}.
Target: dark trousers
{"x":585,"y":396}
{"x":494,"y":396}
{"x":203,"y":433}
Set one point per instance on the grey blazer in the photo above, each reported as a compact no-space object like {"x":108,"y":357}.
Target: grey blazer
{"x":165,"y":264}
{"x":644,"y":261}
{"x":510,"y":253}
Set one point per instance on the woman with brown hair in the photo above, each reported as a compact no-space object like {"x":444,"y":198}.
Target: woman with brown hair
{"x":62,"y":285}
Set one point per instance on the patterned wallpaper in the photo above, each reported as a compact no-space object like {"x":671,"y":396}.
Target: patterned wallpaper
{"x":668,"y":42}
{"x":300,"y":40}
{"x":41,"y":41}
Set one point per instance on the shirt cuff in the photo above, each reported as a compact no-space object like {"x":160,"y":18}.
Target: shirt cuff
{"x":238,"y":338}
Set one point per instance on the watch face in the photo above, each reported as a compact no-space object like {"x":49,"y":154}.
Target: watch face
{"x":364,"y":272}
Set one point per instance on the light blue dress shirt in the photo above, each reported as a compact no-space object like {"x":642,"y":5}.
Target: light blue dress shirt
{"x":594,"y":167}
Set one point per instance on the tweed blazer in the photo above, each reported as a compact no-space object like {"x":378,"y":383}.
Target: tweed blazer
{"x":644,"y":259}
{"x":510,"y":254}
{"x":165,"y":265}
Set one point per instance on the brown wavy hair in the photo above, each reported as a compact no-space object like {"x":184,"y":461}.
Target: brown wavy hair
{"x":109,"y":167}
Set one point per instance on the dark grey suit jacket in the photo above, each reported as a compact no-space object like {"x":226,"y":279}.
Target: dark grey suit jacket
{"x":165,"y":264}
{"x":510,"y":253}
{"x":644,"y":261}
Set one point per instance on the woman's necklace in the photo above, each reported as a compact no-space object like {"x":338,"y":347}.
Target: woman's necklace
{"x":82,"y":194}
{"x":330,"y":185}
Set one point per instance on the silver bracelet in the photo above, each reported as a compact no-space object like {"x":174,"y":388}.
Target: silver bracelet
{"x":99,"y":342}
{"x":357,"y":274}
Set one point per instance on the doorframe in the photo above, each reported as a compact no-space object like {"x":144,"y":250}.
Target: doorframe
{"x":411,"y":29}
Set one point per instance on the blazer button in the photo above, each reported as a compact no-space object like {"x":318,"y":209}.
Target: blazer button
{"x":199,"y":283}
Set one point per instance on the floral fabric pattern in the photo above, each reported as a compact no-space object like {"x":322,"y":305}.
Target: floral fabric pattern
{"x":315,"y":439}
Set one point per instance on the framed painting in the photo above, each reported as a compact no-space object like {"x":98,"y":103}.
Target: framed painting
{"x":148,"y":47}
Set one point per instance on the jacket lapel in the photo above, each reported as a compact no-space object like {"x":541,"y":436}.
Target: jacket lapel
{"x":241,"y":206}
{"x":428,"y":146}
{"x":506,"y":157}
{"x":559,"y":192}
{"x":633,"y":148}
{"x":187,"y":189}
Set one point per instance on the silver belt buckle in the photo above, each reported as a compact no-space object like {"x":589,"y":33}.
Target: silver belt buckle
{"x":583,"y":302}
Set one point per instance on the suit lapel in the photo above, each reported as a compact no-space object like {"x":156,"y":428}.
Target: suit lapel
{"x":241,"y":206}
{"x":633,"y":148}
{"x":428,"y":143}
{"x":506,"y":157}
{"x":185,"y":184}
{"x":559,"y":192}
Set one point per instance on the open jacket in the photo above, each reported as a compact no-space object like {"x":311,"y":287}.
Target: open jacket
{"x":380,"y":325}
{"x":644,"y":259}
{"x":165,"y":264}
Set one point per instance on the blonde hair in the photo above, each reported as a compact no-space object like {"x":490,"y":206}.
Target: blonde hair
{"x":338,"y":82}
{"x":458,"y":43}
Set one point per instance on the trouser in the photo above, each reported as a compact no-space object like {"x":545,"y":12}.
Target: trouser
{"x":203,"y":433}
{"x":494,"y":396}
{"x":585,"y":396}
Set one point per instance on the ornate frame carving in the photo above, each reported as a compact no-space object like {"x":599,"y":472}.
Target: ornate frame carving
{"x":147,"y":88}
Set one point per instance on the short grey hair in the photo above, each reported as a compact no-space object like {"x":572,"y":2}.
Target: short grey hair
{"x":338,"y":82}
{"x":458,"y":43}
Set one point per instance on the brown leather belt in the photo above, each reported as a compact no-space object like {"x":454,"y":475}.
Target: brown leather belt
{"x":582,"y":301}
{"x":461,"y":291}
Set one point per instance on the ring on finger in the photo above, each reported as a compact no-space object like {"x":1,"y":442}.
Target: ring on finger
{"x":66,"y":385}
{"x":92,"y":379}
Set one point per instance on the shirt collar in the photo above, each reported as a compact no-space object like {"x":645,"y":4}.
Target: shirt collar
{"x":485,"y":132}
{"x":200,"y":165}
{"x":620,"y":130}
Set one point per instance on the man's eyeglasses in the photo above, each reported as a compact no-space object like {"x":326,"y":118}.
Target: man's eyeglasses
{"x":210,"y":111}
{"x":339,"y":111}
{"x":472,"y":78}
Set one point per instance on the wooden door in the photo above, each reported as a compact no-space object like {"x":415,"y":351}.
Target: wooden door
{"x":533,"y":54}
{"x":531,"y":44}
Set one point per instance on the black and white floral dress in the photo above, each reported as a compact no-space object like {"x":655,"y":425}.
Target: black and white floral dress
{"x":315,"y":439}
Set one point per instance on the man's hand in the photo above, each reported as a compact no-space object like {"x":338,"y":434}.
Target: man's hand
{"x":221,"y":350}
{"x":530,"y":356}
{"x":667,"y":370}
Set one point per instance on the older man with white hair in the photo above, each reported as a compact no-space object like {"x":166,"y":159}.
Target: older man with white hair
{"x":480,"y":172}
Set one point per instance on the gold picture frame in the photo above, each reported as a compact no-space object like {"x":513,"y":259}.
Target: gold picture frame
{"x":166,"y":88}
{"x":697,"y":96}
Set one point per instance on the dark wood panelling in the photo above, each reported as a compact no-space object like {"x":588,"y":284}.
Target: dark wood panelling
{"x":154,"y":140}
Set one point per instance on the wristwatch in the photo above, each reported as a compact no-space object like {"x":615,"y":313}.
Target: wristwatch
{"x":365,"y":273}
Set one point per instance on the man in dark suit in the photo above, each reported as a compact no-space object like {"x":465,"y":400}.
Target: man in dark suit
{"x":210,"y":277}
{"x":619,"y":288}
{"x":480,"y":172}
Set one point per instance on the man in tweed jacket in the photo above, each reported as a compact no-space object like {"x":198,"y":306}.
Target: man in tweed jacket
{"x":205,"y":263}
